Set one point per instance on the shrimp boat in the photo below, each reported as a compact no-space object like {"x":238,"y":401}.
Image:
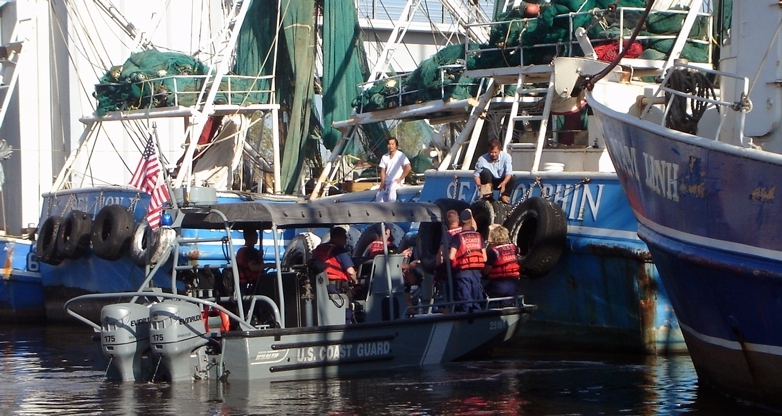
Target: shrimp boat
{"x":592,"y":278}
{"x":698,"y":153}
{"x":213,"y":116}
{"x":206,"y":334}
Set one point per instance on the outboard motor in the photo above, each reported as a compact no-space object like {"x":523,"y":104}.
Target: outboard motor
{"x":124,"y":338}
{"x":176,"y":330}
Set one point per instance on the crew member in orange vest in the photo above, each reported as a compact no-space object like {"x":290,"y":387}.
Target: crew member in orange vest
{"x":468,"y":257}
{"x":502,"y":266}
{"x":376,"y":247}
{"x":334,"y":259}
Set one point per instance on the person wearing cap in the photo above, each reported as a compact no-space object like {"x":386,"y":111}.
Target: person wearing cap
{"x":334,"y":259}
{"x":468,"y":258}
{"x":376,"y":247}
{"x":249,"y":262}
{"x":502,"y":265}
{"x":494,"y":170}
{"x":394,"y":168}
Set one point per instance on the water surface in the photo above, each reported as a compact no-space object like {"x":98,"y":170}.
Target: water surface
{"x":57,"y":370}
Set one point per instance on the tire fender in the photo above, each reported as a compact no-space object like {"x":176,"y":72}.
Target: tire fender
{"x":299,"y":250}
{"x":112,"y":232}
{"x":140,"y":244}
{"x":73,"y":237}
{"x":46,"y":246}
{"x":538,"y":227}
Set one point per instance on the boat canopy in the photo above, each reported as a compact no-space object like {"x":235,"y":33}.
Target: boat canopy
{"x":264,"y":215}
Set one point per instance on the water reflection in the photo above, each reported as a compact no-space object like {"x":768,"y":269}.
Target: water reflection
{"x":56,"y":370}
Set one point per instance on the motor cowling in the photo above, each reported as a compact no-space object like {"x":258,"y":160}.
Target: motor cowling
{"x":124,"y":339}
{"x":176,"y":330}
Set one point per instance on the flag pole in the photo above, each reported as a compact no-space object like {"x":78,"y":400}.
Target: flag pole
{"x":165,"y":171}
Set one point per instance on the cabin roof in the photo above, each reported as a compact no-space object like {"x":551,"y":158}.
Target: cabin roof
{"x":262,"y":215}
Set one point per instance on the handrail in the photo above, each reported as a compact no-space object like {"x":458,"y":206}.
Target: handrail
{"x":244,"y":325}
{"x":744,"y":105}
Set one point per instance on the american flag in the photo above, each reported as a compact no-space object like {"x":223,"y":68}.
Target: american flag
{"x":148,"y":178}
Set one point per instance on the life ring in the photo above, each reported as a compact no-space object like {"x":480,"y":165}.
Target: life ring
{"x":46,"y":246}
{"x":73,"y":237}
{"x":371,"y":234}
{"x":209,"y":312}
{"x":538,"y":227}
{"x":298,"y":252}
{"x":430,"y":234}
{"x":112,"y":232}
{"x":155,"y":243}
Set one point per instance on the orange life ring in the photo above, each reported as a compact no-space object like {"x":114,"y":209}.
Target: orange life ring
{"x":225,"y":321}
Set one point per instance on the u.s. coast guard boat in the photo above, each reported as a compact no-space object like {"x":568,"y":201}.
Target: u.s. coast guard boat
{"x":210,"y":333}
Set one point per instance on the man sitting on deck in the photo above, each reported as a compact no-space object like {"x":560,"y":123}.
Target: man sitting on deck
{"x":493,"y":170}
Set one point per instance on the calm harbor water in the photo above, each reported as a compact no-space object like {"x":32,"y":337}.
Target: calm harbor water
{"x":54,"y":370}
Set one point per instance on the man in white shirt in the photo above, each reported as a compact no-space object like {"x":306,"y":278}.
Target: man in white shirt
{"x":394,"y":167}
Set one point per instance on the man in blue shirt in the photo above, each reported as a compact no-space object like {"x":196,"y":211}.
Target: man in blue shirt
{"x":493,"y":170}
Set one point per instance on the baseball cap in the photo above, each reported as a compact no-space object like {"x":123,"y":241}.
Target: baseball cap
{"x":465,"y":215}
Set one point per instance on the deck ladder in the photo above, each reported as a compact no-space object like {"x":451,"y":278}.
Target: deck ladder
{"x":543,"y":117}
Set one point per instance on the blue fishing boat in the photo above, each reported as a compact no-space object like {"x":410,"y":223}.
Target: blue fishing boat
{"x":512,"y":81}
{"x":21,"y":289}
{"x":698,"y":155}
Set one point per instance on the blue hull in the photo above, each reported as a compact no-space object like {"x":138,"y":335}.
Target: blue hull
{"x":708,"y":213}
{"x":604,"y":293}
{"x":21,"y":289}
{"x":91,"y":274}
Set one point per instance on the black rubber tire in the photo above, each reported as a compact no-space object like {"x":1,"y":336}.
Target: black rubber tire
{"x":73,"y":237}
{"x":141,"y":242}
{"x":299,"y":251}
{"x":112,"y":232}
{"x":538,"y":227}
{"x":484,"y":216}
{"x":46,"y":246}
{"x":430,"y":234}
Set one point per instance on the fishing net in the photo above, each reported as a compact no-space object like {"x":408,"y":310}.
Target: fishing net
{"x":519,"y":40}
{"x":151,"y":79}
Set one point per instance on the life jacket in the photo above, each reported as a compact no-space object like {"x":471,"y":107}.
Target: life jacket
{"x":470,"y":253}
{"x":506,"y":265}
{"x":440,"y":271}
{"x":246,"y":275}
{"x":333,"y":266}
{"x":375,"y":248}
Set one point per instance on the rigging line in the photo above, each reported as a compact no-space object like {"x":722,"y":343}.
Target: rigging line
{"x":436,"y":29}
{"x":388,"y":14}
{"x":73,"y":63}
{"x":103,"y":52}
{"x":87,"y":49}
{"x":765,"y":56}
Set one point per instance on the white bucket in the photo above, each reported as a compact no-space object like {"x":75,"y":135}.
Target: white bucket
{"x":553,"y":167}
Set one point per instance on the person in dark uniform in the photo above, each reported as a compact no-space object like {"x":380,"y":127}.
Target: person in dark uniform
{"x":468,"y":257}
{"x":249,"y":262}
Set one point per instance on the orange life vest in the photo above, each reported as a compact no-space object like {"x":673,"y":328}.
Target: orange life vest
{"x":470,"y":252}
{"x":333,"y":266}
{"x":375,"y":248}
{"x":506,"y":265}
